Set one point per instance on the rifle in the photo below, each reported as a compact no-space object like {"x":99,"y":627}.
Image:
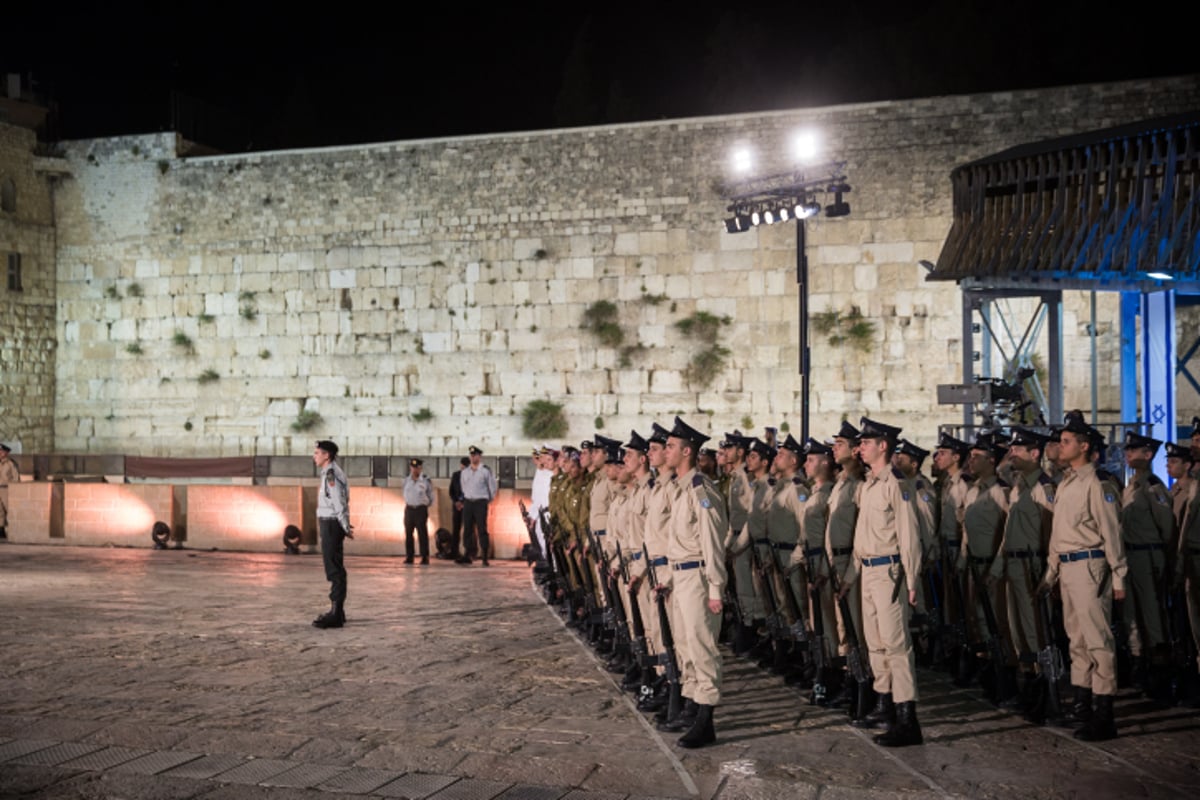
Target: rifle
{"x":762,"y":588}
{"x":816,"y":646}
{"x":667,"y":658}
{"x":534,"y":554}
{"x":957,"y":631}
{"x":640,"y":650}
{"x":997,"y":645}
{"x":614,"y":612}
{"x":1050,"y":667}
{"x":557,"y":561}
{"x":860,"y":669}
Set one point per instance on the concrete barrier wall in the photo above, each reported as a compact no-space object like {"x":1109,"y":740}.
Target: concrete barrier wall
{"x":230,"y":517}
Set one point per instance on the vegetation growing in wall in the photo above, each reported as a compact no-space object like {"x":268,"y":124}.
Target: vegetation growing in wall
{"x":785,"y":428}
{"x":134,"y":349}
{"x":598,"y":423}
{"x":247,"y":307}
{"x":747,"y":422}
{"x":134,"y":290}
{"x":264,"y":354}
{"x":184,"y":343}
{"x":305,"y":421}
{"x":423,"y":415}
{"x":209,"y":375}
{"x":707,"y":362}
{"x":627,"y":354}
{"x":543,"y":419}
{"x":849,"y":328}
{"x":205,"y":319}
{"x":112,"y":292}
{"x":600,"y":319}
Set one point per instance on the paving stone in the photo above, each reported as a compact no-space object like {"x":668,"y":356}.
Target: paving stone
{"x":256,"y":770}
{"x":17,"y":748}
{"x":531,"y":793}
{"x":415,"y":786}
{"x":53,"y":756}
{"x":471,"y":789}
{"x":359,"y":780}
{"x":206,"y":766}
{"x":20,"y":781}
{"x":305,"y":776}
{"x":154,"y":763}
{"x":581,"y":794}
{"x":105,"y":758}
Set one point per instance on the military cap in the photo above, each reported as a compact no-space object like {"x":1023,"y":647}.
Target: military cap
{"x":986,"y":443}
{"x":587,"y":444}
{"x":708,"y":451}
{"x":636,"y":442}
{"x":614,"y":455}
{"x":815,"y":448}
{"x":568,"y":449}
{"x":328,"y":447}
{"x":415,"y":462}
{"x":1137,"y":441}
{"x":877,"y":430}
{"x":763,"y":449}
{"x":847,"y":431}
{"x":790,"y":443}
{"x":1195,"y":425}
{"x":475,"y":451}
{"x":1023,"y":437}
{"x":1179,"y":451}
{"x":689,"y":434}
{"x":911,"y":450}
{"x":5,"y":448}
{"x":736,"y":439}
{"x":1075,"y":424}
{"x":948,"y":442}
{"x":658,"y":434}
{"x":1055,"y":434}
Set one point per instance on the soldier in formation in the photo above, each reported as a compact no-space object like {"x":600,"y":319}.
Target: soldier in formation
{"x":840,"y":566}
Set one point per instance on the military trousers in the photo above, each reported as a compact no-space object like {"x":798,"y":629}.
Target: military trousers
{"x":699,"y":628}
{"x":1143,"y":609}
{"x":886,"y":612}
{"x":333,"y":537}
{"x":1086,"y":589}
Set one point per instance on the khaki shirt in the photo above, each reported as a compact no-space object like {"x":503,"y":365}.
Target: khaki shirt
{"x":783,"y":515}
{"x":1027,"y":527}
{"x":1086,"y":518}
{"x":9,"y":472}
{"x":925,"y":500}
{"x":814,"y":522}
{"x":984,"y":510}
{"x":633,"y":528}
{"x":755,"y":531}
{"x":661,"y":492}
{"x":738,"y":502}
{"x":842,"y":518}
{"x":1147,"y":516}
{"x":887,"y":524}
{"x":697,"y":528}
{"x":952,"y":502}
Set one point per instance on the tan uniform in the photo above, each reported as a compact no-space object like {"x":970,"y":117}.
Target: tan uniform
{"x":660,"y":495}
{"x":8,"y":474}
{"x":1147,"y":520}
{"x":926,"y":503}
{"x":632,"y":534}
{"x":697,"y":554}
{"x":809,"y":554}
{"x":738,"y":502}
{"x":1018,"y":564}
{"x":951,"y":503}
{"x":783,"y":530}
{"x":1087,"y":556}
{"x":887,"y":551}
{"x":839,"y":548}
{"x":1189,"y":557}
{"x":984,"y":510}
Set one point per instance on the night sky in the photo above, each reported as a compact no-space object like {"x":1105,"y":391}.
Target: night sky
{"x":252,"y":77}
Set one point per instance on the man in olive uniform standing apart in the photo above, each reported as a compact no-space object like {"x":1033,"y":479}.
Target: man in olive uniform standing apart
{"x":1087,"y":559}
{"x":8,"y":474}
{"x":333,"y":517}
{"x":697,"y":555}
{"x":887,"y":551}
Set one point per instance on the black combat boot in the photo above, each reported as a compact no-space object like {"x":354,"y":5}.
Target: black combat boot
{"x":1080,"y":712}
{"x":673,"y":707}
{"x":1101,"y":727}
{"x":631,"y":681}
{"x":743,"y":638}
{"x":701,"y":732}
{"x":657,"y":697}
{"x":335,"y":617}
{"x":683,"y":722}
{"x":882,"y":716}
{"x":906,"y":731}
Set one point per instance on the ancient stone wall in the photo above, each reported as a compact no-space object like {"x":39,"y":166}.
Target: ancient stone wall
{"x":27,"y":311}
{"x":204,"y":303}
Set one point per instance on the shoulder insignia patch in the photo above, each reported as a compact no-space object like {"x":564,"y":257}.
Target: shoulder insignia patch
{"x":697,"y":479}
{"x":1109,"y":497}
{"x":905,"y":495}
{"x":1049,"y":495}
{"x":801,"y":495}
{"x":926,"y":497}
{"x":705,"y":503}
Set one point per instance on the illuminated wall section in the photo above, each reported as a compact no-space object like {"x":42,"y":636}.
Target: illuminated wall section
{"x":35,"y":513}
{"x":120,"y":514}
{"x":241,"y":517}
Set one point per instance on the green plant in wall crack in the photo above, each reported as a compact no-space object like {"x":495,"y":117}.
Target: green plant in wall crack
{"x":134,"y":290}
{"x":247,"y":307}
{"x":423,"y":415}
{"x":849,"y":328}
{"x":600,"y":318}
{"x":134,"y":349}
{"x":184,"y":343}
{"x":543,"y":419}
{"x":709,"y":360}
{"x":306,"y":420}
{"x":209,"y":376}
{"x":112,"y":293}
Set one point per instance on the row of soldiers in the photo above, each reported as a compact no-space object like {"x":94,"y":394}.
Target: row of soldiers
{"x":839,"y":565}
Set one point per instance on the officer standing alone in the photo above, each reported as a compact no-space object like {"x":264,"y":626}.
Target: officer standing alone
{"x":333,"y":518}
{"x":418,"y":497}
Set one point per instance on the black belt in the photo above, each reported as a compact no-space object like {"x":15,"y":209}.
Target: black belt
{"x":879,"y":561}
{"x":600,"y":533}
{"x":476,"y":499}
{"x":687,"y":565}
{"x":979,"y":561}
{"x":661,"y":561}
{"x":636,"y":557}
{"x":764,"y":540}
{"x":813,"y":552}
{"x":783,"y":545}
{"x":1143,"y":547}
{"x":1020,"y":553}
{"x":953,"y":542}
{"x":843,"y":551}
{"x":414,"y":505}
{"x":1082,"y":555}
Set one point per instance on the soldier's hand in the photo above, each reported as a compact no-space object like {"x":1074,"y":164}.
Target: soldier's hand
{"x":634,"y":583}
{"x":662,"y":591}
{"x":1118,"y":594}
{"x":714,"y":606}
{"x":912,"y":597}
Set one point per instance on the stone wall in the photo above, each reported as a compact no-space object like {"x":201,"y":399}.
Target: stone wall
{"x":204,"y":302}
{"x":27,"y":317}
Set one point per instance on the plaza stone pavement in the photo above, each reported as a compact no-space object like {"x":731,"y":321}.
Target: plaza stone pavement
{"x":181,"y":674}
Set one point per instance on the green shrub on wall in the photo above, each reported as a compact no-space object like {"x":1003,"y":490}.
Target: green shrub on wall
{"x":543,"y":419}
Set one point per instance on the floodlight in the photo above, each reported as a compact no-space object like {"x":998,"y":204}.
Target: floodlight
{"x":805,"y":146}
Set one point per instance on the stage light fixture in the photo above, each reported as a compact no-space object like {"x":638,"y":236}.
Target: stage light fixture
{"x":839,"y":207}
{"x":743,"y":159}
{"x":784,"y":212}
{"x":769,"y":217}
{"x":731,"y":225}
{"x":755,"y":218}
{"x":805,"y":146}
{"x":1160,"y":276}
